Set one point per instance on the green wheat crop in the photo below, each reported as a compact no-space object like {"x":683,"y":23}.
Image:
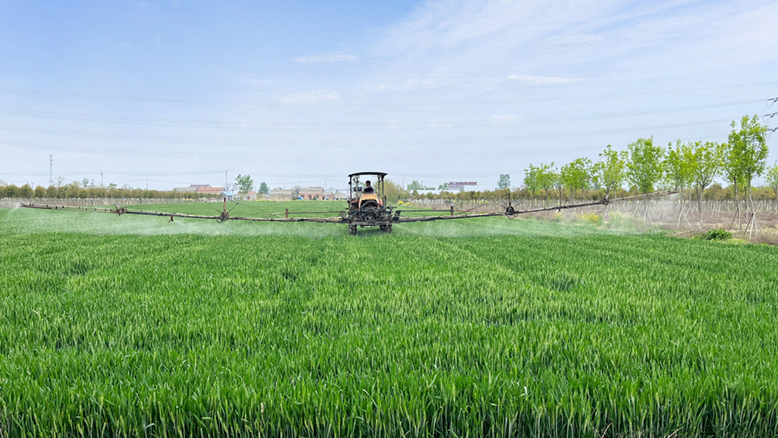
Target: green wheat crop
{"x":130,"y":326}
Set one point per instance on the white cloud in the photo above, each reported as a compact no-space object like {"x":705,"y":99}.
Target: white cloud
{"x":542,"y":80}
{"x":309,"y":98}
{"x":312,"y":59}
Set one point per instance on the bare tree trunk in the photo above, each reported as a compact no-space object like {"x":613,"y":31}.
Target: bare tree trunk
{"x":699,"y":203}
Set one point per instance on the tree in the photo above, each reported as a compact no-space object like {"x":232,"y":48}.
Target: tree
{"x":547,"y":178}
{"x":504,"y":182}
{"x":677,"y":166}
{"x":60,"y":181}
{"x":414,"y":185}
{"x":644,"y":168}
{"x":244,"y":184}
{"x":86,"y":183}
{"x":704,"y":162}
{"x":611,"y":173}
{"x":443,"y":186}
{"x":576,"y":175}
{"x":748,"y":152}
{"x":772,"y":180}
{"x":531,"y":179}
{"x":394,"y":192}
{"x":40,"y":192}
{"x":25,"y":191}
{"x":295,"y":192}
{"x":263,"y":188}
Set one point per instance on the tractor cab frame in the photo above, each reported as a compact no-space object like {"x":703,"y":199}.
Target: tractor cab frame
{"x":368,"y":209}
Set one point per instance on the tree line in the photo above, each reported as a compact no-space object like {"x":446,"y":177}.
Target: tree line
{"x":687,"y":167}
{"x":80,"y":191}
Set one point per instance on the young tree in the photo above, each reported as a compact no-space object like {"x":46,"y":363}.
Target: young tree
{"x":263,"y":188}
{"x":531,"y":179}
{"x":40,"y":192}
{"x":504,"y":182}
{"x":244,"y":184}
{"x":576,"y":175}
{"x":748,"y":151}
{"x":443,"y":186}
{"x":772,"y":180}
{"x":704,"y":162}
{"x":644,"y":168}
{"x":414,"y":185}
{"x":25,"y":191}
{"x":394,"y":192}
{"x":547,"y":177}
{"x":613,"y":170}
{"x":677,"y":166}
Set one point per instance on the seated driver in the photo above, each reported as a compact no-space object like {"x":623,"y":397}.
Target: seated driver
{"x":368,"y":188}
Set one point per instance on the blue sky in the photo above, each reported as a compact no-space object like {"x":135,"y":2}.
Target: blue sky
{"x":298,"y":92}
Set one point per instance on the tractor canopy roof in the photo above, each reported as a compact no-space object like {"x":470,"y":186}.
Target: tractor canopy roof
{"x":381,"y":174}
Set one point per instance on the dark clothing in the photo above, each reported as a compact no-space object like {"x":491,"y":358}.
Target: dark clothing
{"x":368,"y":189}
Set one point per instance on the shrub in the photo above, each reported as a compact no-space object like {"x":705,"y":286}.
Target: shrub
{"x":717,"y":234}
{"x":590,"y":218}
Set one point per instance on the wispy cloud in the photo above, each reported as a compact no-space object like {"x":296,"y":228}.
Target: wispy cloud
{"x":309,"y":98}
{"x":313,"y":59}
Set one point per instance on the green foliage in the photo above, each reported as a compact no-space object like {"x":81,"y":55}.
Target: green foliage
{"x":771,"y":179}
{"x":576,"y":175}
{"x":25,"y":191}
{"x":504,"y":182}
{"x":394,"y":192}
{"x":414,"y":185}
{"x":443,"y":186}
{"x":747,"y":150}
{"x":505,"y":328}
{"x":590,"y":218}
{"x":244,"y":184}
{"x":541,"y":177}
{"x":610,"y":171}
{"x":644,"y":168}
{"x":263,"y":188}
{"x":677,"y":166}
{"x":625,"y":222}
{"x":717,"y":234}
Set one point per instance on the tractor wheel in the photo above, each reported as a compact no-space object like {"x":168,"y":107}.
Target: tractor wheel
{"x":352,"y":229}
{"x":386,"y":228}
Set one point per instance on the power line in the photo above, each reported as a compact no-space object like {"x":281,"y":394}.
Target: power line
{"x":262,"y":144}
{"x":408,"y":143}
{"x":431,"y":124}
{"x":373,"y":104}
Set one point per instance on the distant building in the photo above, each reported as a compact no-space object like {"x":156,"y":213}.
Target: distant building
{"x":208,"y":190}
{"x":191,"y":189}
{"x":281,"y":194}
{"x":250,"y":196}
{"x":460,"y":185}
{"x":312,"y":193}
{"x":306,"y":193}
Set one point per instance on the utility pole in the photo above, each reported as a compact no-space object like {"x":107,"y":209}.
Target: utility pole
{"x":225,"y":180}
{"x":147,"y":184}
{"x":51,"y":169}
{"x":101,"y":179}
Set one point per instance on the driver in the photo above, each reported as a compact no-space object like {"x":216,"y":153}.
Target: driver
{"x":368,"y":188}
